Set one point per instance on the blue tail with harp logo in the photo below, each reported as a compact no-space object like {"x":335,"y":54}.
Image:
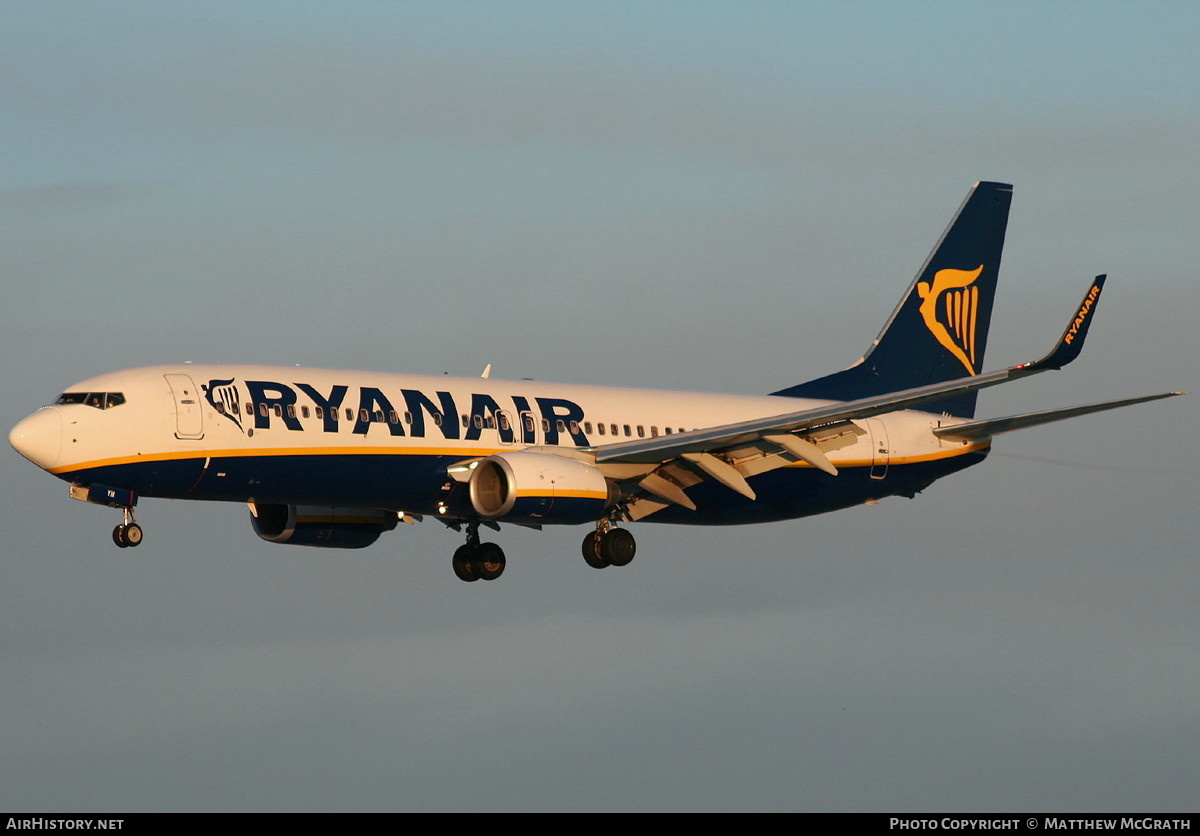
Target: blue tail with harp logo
{"x":939,"y":330}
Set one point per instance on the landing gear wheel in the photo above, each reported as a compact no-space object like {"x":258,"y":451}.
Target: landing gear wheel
{"x":464,"y":564}
{"x":591,"y":550}
{"x":617,"y":546}
{"x":127,"y":535}
{"x":489,"y":561}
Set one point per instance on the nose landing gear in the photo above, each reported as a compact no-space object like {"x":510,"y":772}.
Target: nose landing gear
{"x":128,"y":534}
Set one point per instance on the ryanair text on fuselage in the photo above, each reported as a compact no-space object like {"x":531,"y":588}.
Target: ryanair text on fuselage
{"x":270,"y":401}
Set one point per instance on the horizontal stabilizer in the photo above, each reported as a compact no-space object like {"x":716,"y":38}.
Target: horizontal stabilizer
{"x":995,"y":426}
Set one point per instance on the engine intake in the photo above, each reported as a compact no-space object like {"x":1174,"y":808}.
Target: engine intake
{"x":330,"y":528}
{"x":539,"y":487}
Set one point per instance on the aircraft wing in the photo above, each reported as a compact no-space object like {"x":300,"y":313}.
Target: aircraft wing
{"x":710,"y":439}
{"x":995,"y":426}
{"x":799,"y":436}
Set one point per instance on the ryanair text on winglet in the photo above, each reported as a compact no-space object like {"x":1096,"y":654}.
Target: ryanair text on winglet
{"x":1081,"y":317}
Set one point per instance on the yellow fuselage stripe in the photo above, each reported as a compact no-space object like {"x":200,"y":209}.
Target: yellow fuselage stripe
{"x":463,"y":452}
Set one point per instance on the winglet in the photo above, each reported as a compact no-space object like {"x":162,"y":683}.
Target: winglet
{"x":1071,"y":342}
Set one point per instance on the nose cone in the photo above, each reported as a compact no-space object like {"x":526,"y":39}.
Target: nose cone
{"x":39,"y":437}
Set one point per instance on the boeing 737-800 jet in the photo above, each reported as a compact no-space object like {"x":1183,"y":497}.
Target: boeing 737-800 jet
{"x":334,"y":458}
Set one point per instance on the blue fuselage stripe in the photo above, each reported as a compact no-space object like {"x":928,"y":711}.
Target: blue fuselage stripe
{"x":418,"y":484}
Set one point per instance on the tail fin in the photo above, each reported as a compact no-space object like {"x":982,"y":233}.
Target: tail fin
{"x":939,"y":330}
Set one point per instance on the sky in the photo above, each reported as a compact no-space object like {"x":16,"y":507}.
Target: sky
{"x":709,"y":196}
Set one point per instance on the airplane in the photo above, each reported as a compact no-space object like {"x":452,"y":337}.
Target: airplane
{"x":333,"y":459}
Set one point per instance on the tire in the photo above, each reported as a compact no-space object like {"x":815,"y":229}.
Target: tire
{"x":133,"y":535}
{"x":591,"y":551}
{"x":618,"y":547}
{"x":489,"y":561}
{"x":119,"y":537}
{"x":464,"y":564}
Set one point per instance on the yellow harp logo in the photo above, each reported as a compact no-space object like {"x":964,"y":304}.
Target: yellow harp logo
{"x":950,"y":308}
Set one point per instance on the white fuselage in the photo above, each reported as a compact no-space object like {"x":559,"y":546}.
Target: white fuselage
{"x":178,"y":430}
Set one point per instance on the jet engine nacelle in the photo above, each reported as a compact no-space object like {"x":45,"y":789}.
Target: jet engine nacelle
{"x":539,"y":487}
{"x":330,"y":528}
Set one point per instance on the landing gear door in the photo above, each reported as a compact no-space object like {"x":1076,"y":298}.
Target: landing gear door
{"x":880,"y":452}
{"x":189,"y":419}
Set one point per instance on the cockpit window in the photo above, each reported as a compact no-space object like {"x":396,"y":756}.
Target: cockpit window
{"x":100,"y":400}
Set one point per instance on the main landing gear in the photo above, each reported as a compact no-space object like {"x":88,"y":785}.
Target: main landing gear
{"x":608,"y":546}
{"x":128,"y":534}
{"x":478,"y":561}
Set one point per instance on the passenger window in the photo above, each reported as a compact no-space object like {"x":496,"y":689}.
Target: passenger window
{"x":262,"y":410}
{"x":627,"y":431}
{"x":291,"y":411}
{"x":304,"y":412}
{"x":600,"y":427}
{"x":478,"y":422}
{"x":574,"y":428}
{"x":350,"y":414}
{"x":362,"y":415}
{"x":587,"y":427}
{"x":393,"y":418}
{"x":641,"y":431}
{"x":437,"y":418}
{"x":654,"y":432}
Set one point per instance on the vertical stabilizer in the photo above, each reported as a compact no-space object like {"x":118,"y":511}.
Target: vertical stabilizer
{"x":939,"y":330}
